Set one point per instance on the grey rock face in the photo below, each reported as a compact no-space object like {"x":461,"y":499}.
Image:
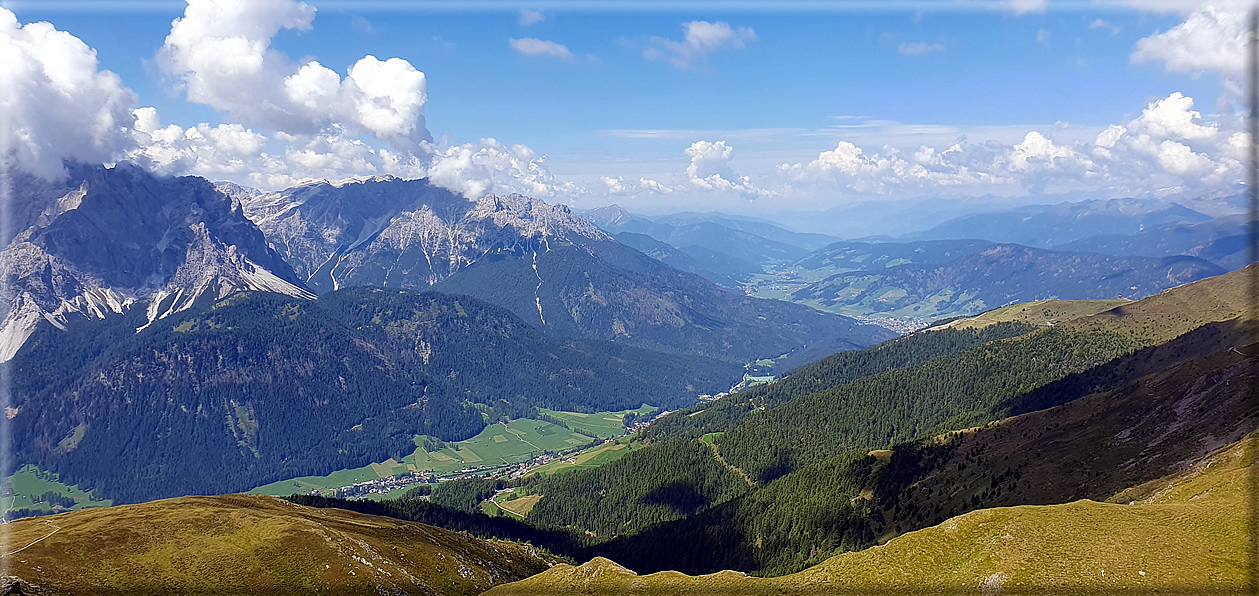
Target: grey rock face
{"x":401,"y":233}
{"x":105,"y":239}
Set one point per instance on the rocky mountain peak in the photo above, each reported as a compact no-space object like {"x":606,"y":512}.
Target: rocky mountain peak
{"x":106,"y":238}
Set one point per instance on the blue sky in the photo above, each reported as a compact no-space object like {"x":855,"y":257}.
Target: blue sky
{"x":777,"y":91}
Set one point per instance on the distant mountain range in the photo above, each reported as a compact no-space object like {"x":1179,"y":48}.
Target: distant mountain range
{"x":722,"y":269}
{"x":753,"y":241}
{"x":544,"y":263}
{"x":1051,"y":226}
{"x":717,"y":247}
{"x":1224,"y":241}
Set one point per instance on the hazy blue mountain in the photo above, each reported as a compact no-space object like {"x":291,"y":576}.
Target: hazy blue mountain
{"x":1224,"y":241}
{"x":998,"y":275}
{"x":1050,"y":226}
{"x":721,"y":269}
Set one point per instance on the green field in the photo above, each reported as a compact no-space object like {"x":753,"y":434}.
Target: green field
{"x":29,"y":483}
{"x":591,"y":458}
{"x":604,"y":425}
{"x":496,"y":446}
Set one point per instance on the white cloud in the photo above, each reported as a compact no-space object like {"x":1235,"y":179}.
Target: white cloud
{"x":1021,"y":7}
{"x":701,"y":38}
{"x":1168,"y":148}
{"x":1173,"y":117}
{"x":1042,"y":36}
{"x":531,"y":46}
{"x":202,"y":150}
{"x":619,"y":186}
{"x":1211,"y":39}
{"x":654,"y":186}
{"x":615,"y":185}
{"x":710,"y":169}
{"x":220,"y":54}
{"x":919,"y":47}
{"x":293,"y":122}
{"x":55,"y":103}
{"x":1036,"y":149}
{"x":490,"y":166}
{"x":1178,"y":158}
{"x":530,"y":17}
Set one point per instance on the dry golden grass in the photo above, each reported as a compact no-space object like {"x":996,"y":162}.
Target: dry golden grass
{"x":1039,"y":312}
{"x":238,"y":544}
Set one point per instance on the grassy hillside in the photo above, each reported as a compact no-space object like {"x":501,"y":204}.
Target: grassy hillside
{"x":1188,"y":537}
{"x":239,"y":544}
{"x":1038,"y":312}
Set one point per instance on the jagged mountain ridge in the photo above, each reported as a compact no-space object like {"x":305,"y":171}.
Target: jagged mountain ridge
{"x":546,"y":264}
{"x":338,"y":234}
{"x":108,"y":239}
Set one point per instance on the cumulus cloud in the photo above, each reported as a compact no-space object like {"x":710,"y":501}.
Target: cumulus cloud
{"x":1168,"y":148}
{"x":1211,"y":39}
{"x":289,"y":122}
{"x":710,"y":169}
{"x":530,"y":17}
{"x":55,"y":102}
{"x":489,"y":166}
{"x":202,"y":150}
{"x":220,"y":54}
{"x":316,"y":122}
{"x":700,"y":38}
{"x":919,"y":47}
{"x":532,"y":46}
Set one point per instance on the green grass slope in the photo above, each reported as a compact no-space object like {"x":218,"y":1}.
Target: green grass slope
{"x":238,"y":544}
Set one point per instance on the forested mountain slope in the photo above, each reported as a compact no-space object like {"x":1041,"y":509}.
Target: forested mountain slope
{"x":260,"y":387}
{"x":808,"y":451}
